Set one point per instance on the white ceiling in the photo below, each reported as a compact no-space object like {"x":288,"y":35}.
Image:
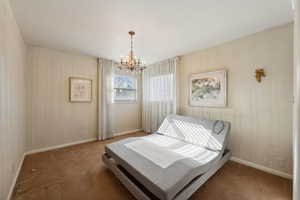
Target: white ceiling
{"x":165,"y":28}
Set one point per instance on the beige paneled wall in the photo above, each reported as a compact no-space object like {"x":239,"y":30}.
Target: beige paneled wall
{"x":126,"y":117}
{"x":12,"y":98}
{"x":53,"y":119}
{"x":260,"y":113}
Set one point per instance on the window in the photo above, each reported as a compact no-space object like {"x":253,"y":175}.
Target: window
{"x":125,"y":89}
{"x":161,"y":88}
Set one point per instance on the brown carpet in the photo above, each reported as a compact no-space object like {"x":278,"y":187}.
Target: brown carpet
{"x":78,"y":173}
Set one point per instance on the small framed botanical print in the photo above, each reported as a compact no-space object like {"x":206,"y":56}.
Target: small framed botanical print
{"x":80,"y":90}
{"x":208,"y":89}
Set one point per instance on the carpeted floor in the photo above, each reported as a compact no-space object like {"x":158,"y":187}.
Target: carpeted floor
{"x":78,"y":173}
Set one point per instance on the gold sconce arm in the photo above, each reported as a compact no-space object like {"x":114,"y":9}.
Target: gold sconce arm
{"x":259,"y":73}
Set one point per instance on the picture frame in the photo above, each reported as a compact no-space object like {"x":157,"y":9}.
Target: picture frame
{"x":208,"y":89}
{"x":80,"y":90}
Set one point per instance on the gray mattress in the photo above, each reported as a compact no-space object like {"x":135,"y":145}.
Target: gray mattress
{"x":162,"y":179}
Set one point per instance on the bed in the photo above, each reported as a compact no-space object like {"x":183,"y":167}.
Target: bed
{"x":172,"y":163}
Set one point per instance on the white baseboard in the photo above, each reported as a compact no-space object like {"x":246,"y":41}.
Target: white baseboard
{"x":127,"y":132}
{"x":262,"y":168}
{"x":60,"y":146}
{"x":11,"y":189}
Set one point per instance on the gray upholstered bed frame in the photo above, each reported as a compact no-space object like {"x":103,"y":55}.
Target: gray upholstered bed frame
{"x":138,"y":192}
{"x":133,"y":169}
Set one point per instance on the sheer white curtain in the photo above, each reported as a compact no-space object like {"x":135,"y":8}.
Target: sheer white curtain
{"x":160,"y":93}
{"x":105,"y":115}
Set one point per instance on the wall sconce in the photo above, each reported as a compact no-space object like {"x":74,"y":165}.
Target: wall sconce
{"x":259,"y":73}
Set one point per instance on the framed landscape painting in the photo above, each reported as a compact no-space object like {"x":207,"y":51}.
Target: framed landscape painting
{"x":80,"y":90}
{"x":208,"y":89}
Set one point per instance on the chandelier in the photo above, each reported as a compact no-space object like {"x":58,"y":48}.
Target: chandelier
{"x":131,"y":63}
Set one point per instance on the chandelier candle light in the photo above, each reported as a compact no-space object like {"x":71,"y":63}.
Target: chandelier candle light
{"x":131,"y":63}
